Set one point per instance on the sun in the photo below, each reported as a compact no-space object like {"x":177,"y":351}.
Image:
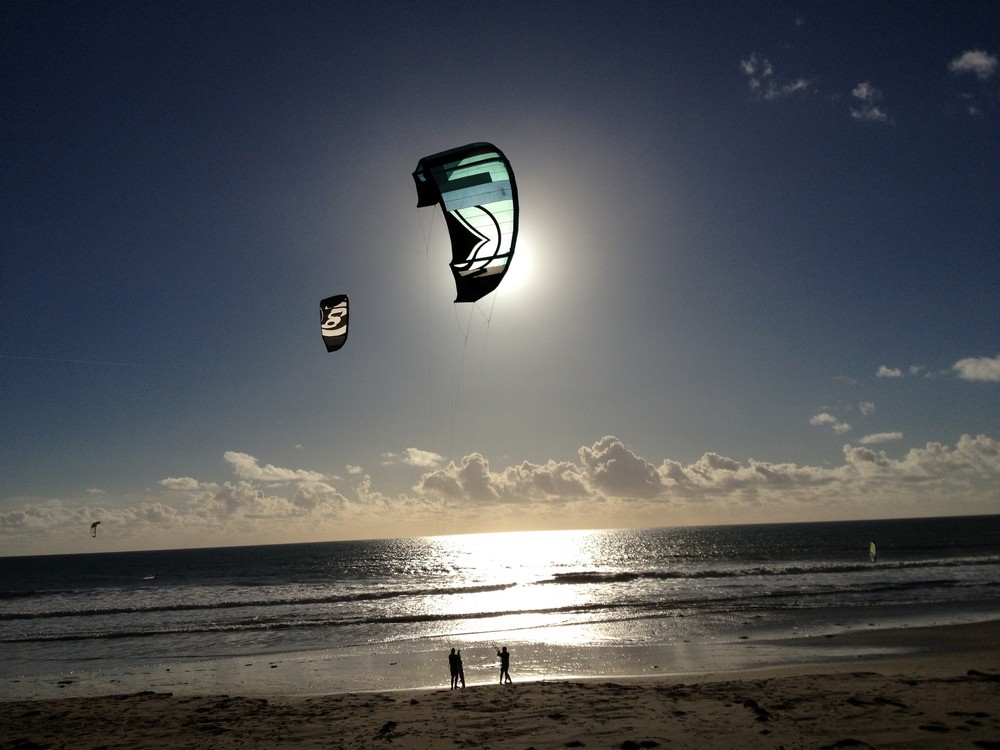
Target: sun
{"x":519,"y":274}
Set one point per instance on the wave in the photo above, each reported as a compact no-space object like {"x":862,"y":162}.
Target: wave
{"x":603,"y":577}
{"x":258,"y":603}
{"x":16,"y":594}
{"x":261,"y":624}
{"x":871,"y":580}
{"x":582,"y":612}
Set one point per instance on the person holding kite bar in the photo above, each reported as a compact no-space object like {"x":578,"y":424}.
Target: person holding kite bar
{"x":504,"y":655}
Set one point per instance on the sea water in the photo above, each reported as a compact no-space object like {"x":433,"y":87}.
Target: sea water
{"x":573,"y":589}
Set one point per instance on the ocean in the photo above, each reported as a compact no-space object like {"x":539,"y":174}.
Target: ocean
{"x":554,"y":595}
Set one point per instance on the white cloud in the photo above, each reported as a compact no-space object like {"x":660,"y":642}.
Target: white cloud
{"x":981,"y":369}
{"x":978,"y":62}
{"x":609,"y":485}
{"x":763,"y":82}
{"x":880,"y":437}
{"x":413,"y":457}
{"x":617,"y":470}
{"x":422,"y":459}
{"x":972,"y":457}
{"x":354,"y":470}
{"x":828,"y":420}
{"x":186,"y":484}
{"x":471,"y":480}
{"x":869,"y":109}
{"x":867,"y":408}
{"x":756,"y":66}
{"x":247,"y":467}
{"x":822,"y":419}
{"x":888,"y":372}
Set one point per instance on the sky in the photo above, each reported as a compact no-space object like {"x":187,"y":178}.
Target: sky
{"x":756,"y":278}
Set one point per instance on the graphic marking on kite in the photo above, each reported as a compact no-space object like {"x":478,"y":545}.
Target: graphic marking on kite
{"x":333,"y":321}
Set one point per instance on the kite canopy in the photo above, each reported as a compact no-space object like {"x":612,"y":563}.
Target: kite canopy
{"x":475,"y":186}
{"x":93,"y":528}
{"x":333,"y":321}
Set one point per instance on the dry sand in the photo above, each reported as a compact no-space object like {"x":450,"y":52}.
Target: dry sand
{"x":944,"y":694}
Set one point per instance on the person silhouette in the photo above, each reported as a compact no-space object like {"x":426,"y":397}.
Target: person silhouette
{"x":461,"y":669}
{"x":504,"y":655}
{"x":453,"y":666}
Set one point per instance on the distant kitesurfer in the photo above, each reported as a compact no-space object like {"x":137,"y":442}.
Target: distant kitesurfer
{"x":504,"y":664}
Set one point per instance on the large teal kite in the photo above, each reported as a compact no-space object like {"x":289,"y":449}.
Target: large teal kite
{"x":475,"y":186}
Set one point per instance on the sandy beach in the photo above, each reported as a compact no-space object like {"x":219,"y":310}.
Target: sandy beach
{"x":939,"y":688}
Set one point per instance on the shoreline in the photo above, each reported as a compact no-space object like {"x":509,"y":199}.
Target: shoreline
{"x":935,"y":687}
{"x":387,"y":668}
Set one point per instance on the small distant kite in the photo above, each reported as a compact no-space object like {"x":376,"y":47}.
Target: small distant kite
{"x":333,"y":321}
{"x":873,"y":553}
{"x":93,"y":528}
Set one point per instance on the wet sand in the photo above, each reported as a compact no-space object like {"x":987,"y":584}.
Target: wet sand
{"x":909,"y":688}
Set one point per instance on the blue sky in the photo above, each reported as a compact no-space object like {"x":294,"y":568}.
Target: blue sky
{"x":756,"y":280}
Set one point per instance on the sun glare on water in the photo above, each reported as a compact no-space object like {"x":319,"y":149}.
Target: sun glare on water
{"x":511,"y":575}
{"x":523,"y":555}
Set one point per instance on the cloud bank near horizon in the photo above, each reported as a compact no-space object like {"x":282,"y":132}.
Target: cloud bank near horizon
{"x":609,"y":485}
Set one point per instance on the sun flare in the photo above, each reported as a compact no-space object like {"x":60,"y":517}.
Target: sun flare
{"x":519,"y":274}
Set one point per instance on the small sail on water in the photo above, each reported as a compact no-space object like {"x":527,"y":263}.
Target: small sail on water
{"x":873,"y":552}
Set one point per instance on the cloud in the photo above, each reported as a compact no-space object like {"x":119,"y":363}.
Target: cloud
{"x":979,"y":369}
{"x":867,"y":408}
{"x":880,"y":437}
{"x":423,"y":459}
{"x":972,"y":457}
{"x":617,"y":470}
{"x":609,"y":484}
{"x":609,"y":473}
{"x":246,"y":467}
{"x":413,"y":457}
{"x":828,"y":420}
{"x":756,"y":67}
{"x":186,"y":484}
{"x":869,"y":109}
{"x":978,"y":62}
{"x":763,"y":82}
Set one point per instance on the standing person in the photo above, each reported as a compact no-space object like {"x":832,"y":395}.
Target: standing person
{"x":504,"y":664}
{"x":461,"y":669}
{"x":453,"y":661}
